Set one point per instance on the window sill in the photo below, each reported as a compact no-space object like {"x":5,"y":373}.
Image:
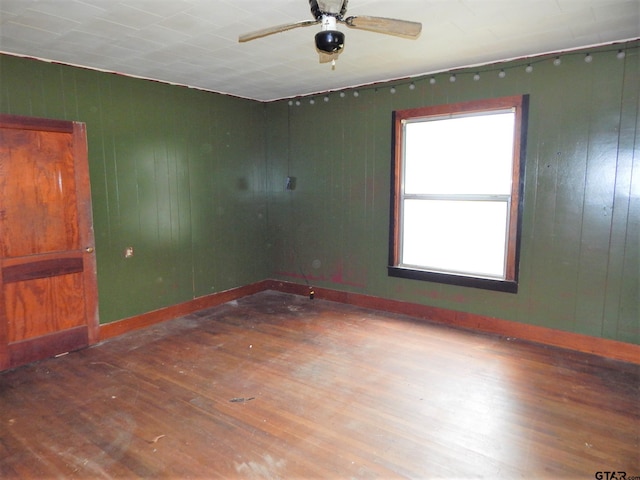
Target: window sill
{"x":508,"y":286}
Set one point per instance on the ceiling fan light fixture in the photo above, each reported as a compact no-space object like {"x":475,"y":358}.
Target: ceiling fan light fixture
{"x":330,"y":41}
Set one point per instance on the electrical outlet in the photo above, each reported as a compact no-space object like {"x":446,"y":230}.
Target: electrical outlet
{"x":128,"y":252}
{"x":291,"y":183}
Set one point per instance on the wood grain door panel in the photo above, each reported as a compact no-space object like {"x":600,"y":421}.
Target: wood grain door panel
{"x":48,"y":277}
{"x":44,"y":305}
{"x":39,"y":180}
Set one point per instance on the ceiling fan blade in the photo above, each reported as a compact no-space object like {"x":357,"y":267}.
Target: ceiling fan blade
{"x":277,"y":29}
{"x":390,"y":26}
{"x":328,"y":57}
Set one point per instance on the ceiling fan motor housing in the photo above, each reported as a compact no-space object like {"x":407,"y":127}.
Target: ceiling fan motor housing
{"x":330,"y":41}
{"x":318,"y":13}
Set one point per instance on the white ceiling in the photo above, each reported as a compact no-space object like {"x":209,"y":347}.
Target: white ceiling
{"x":195,"y":42}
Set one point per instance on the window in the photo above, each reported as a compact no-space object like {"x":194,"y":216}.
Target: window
{"x":457,"y":193}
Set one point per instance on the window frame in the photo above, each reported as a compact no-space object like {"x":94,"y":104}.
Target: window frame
{"x":510,"y":283}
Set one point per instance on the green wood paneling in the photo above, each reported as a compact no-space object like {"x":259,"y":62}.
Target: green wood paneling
{"x":621,"y":307}
{"x":195,"y":182}
{"x":580,"y":239}
{"x":176,"y":173}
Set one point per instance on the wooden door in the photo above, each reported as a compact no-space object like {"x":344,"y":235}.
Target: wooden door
{"x":48,"y":292}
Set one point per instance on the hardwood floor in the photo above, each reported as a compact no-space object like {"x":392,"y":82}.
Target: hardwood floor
{"x":280,"y":386}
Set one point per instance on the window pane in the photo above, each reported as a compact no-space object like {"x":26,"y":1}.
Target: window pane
{"x":460,"y":155}
{"x":455,"y":236}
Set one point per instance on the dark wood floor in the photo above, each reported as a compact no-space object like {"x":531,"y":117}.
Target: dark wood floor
{"x":279,"y":386}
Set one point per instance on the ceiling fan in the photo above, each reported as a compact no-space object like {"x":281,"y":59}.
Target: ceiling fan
{"x":330,"y":41}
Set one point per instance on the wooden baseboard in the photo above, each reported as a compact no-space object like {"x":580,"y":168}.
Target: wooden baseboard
{"x":33,"y":349}
{"x":616,"y":350}
{"x":109,"y":330}
{"x":626,"y":352}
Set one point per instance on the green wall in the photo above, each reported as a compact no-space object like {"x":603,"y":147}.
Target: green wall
{"x":176,"y":173}
{"x":580,"y":247}
{"x":195,"y":182}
